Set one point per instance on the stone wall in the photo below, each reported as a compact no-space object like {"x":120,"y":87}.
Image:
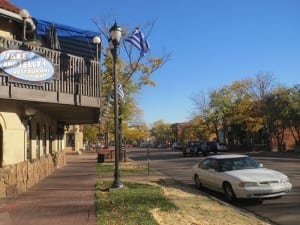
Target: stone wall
{"x":15,"y":179}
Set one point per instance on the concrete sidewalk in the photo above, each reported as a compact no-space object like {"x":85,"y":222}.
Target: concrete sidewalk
{"x":66,"y":197}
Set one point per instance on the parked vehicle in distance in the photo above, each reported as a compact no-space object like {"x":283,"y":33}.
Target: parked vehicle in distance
{"x":195,"y":148}
{"x":222,"y":147}
{"x":143,"y":145}
{"x":216,"y":146}
{"x":191,"y":148}
{"x":176,"y":145}
{"x":240,"y":176}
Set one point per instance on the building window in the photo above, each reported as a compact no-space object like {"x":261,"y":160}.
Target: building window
{"x":29,"y":138}
{"x":1,"y":146}
{"x":38,"y":138}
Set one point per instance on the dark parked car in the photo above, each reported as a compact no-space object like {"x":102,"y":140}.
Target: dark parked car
{"x":195,"y":148}
{"x":216,"y":146}
{"x":176,"y":145}
{"x":191,"y":148}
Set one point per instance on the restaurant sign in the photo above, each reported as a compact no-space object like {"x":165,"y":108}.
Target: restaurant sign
{"x":26,"y":66}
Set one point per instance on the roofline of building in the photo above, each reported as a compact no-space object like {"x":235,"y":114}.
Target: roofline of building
{"x":15,"y":16}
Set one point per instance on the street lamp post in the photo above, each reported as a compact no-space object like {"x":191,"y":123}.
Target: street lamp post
{"x":97,"y":41}
{"x":115,"y":36}
{"x":25,"y":15}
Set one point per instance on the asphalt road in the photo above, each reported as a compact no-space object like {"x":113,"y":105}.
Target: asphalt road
{"x":283,"y":211}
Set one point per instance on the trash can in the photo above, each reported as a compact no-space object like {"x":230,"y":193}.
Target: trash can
{"x":101,"y":158}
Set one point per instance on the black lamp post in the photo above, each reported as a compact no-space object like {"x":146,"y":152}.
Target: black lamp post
{"x":97,"y":41}
{"x":115,"y":36}
{"x":25,"y":15}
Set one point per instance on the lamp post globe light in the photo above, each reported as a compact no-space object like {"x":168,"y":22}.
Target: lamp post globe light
{"x":97,"y":41}
{"x":114,"y":42}
{"x":24,"y":15}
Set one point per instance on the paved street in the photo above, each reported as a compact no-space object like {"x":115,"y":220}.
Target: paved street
{"x":283,"y":211}
{"x":67,"y":196}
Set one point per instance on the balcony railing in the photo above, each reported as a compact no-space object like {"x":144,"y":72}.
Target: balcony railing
{"x":77,"y":76}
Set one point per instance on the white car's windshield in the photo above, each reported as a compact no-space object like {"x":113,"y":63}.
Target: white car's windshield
{"x":237,"y":164}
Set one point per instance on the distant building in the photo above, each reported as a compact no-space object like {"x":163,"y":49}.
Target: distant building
{"x":177,"y":130}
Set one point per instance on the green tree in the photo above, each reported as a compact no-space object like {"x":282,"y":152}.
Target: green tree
{"x":90,"y":133}
{"x":134,"y":71}
{"x":235,"y":108}
{"x":161,"y":131}
{"x":275,"y":110}
{"x":202,"y":122}
{"x":136,"y":134}
{"x":294,"y":113}
{"x":197,"y":129}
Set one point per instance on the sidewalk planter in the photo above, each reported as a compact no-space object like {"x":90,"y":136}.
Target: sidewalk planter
{"x":109,"y":154}
{"x":101,"y":158}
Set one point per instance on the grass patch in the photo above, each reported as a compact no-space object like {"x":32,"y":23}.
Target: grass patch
{"x":129,"y":205}
{"x":167,"y":203}
{"x":108,"y":168}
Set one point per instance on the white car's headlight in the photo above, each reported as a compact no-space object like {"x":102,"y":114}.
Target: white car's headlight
{"x":284,"y":180}
{"x":248,"y":184}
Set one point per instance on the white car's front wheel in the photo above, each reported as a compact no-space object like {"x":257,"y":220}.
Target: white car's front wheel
{"x":198,"y":183}
{"x":229,"y":193}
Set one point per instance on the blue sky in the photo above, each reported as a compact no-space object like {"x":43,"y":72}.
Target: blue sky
{"x":212,"y":42}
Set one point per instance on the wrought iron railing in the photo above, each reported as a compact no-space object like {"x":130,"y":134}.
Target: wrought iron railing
{"x":77,"y":75}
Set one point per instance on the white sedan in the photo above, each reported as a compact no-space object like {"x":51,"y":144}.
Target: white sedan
{"x":240,"y":176}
